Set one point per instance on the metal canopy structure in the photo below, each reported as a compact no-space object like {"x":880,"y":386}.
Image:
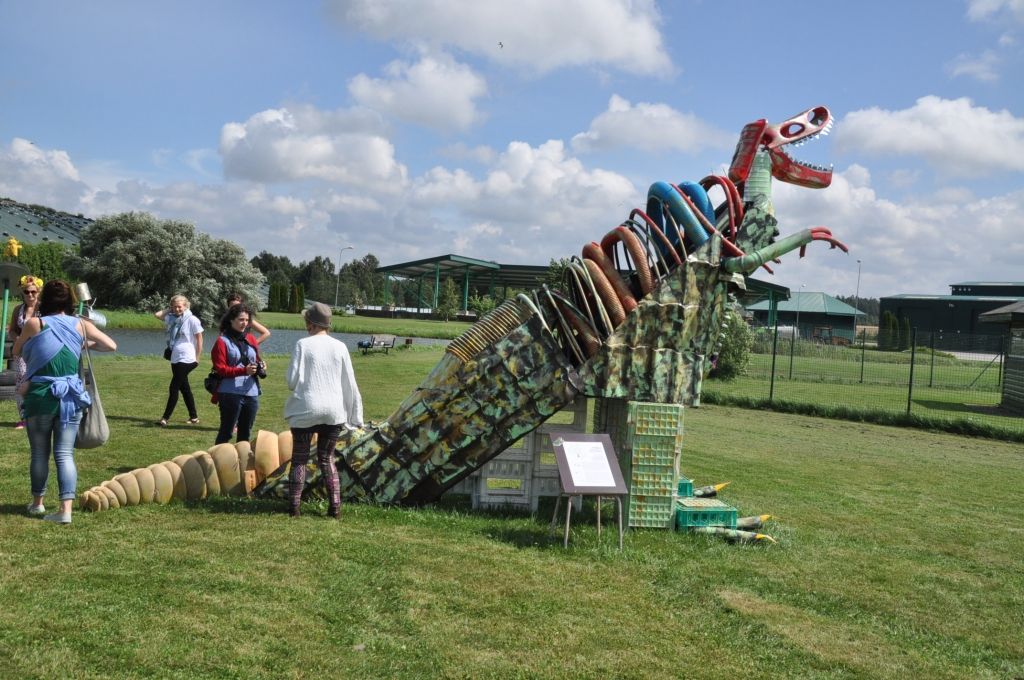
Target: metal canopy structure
{"x":468,"y":272}
{"x":764,"y":292}
{"x":489,"y":275}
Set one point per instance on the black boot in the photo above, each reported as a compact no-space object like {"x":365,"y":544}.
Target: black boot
{"x":293,"y":511}
{"x":334,"y":511}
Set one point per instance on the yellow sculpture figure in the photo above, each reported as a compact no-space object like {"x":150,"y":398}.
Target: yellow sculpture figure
{"x":12,"y":248}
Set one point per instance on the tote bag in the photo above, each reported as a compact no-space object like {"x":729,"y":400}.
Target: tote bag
{"x":93,"y":430}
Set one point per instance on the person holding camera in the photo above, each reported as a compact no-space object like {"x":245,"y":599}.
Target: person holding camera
{"x":237,"y":361}
{"x":184,"y":348}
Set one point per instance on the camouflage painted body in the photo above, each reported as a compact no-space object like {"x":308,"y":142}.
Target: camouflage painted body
{"x":519,"y":365}
{"x":645,"y":316}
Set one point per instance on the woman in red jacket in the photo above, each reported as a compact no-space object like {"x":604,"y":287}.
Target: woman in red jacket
{"x":237,"y":361}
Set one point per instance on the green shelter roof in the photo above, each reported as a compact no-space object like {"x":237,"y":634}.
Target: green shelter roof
{"x":481,"y":272}
{"x":819,"y":303}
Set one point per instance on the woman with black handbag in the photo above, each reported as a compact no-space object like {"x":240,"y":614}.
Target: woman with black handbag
{"x":184,"y":347}
{"x":54,"y":394}
{"x":236,"y":359}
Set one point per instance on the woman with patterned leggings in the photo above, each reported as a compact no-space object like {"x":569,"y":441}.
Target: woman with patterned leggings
{"x":324,"y":399}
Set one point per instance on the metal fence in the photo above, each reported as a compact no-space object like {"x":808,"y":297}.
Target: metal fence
{"x":949,"y":377}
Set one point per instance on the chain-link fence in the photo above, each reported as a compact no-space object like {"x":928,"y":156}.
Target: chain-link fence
{"x":937,"y":376}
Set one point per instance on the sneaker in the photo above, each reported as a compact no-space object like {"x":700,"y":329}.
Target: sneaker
{"x":58,"y":518}
{"x":35,"y":510}
{"x":20,"y":425}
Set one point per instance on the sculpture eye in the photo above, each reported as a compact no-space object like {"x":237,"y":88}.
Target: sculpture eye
{"x":792,"y":129}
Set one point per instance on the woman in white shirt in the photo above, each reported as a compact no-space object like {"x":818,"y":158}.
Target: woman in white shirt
{"x":324,"y":399}
{"x":184,"y":347}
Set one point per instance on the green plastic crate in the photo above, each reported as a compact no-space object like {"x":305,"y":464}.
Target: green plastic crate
{"x":685,"y":488}
{"x":656,"y":450}
{"x":650,"y":511}
{"x":655,"y":419}
{"x":704,"y":512}
{"x":652,"y":480}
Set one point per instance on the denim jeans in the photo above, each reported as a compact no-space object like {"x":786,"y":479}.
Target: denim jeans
{"x":236,"y":409}
{"x":46,"y":434}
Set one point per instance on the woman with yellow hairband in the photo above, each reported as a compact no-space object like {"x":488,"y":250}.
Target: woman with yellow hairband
{"x":30,"y":287}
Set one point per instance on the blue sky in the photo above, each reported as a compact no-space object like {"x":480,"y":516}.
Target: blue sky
{"x":520,"y":131}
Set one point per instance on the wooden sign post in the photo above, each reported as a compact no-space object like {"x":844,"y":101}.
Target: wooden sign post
{"x":587,"y":466}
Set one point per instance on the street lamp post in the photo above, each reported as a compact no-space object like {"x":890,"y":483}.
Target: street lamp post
{"x":796,"y":331}
{"x":856,"y":302}
{"x":799,"y":295}
{"x":337,"y":284}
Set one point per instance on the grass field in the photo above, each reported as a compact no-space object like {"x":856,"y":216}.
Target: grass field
{"x":899,"y":555}
{"x":949,"y":393}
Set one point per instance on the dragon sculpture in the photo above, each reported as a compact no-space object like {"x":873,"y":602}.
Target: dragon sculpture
{"x":640,"y":322}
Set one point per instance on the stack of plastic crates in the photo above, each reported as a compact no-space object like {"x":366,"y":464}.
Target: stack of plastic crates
{"x":654,"y":439}
{"x":518,"y":477}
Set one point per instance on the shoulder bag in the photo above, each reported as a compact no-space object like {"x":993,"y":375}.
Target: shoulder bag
{"x":93,"y":431}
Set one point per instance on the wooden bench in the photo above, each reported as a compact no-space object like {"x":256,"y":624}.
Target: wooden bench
{"x":377,"y":343}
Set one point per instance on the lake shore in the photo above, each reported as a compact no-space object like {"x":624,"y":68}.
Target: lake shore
{"x":359,"y":325}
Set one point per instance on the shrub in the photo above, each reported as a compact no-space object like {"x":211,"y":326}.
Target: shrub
{"x":734,"y":352}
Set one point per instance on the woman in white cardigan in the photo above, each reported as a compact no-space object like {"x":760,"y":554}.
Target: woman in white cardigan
{"x":324,"y":399}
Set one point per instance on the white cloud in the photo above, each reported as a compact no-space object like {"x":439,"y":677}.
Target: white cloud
{"x":478,"y":154}
{"x":436,"y":91}
{"x":533,"y":204}
{"x":650,"y":127}
{"x":958,"y":137}
{"x":32,"y":175}
{"x":536,"y":34}
{"x":918,"y":246}
{"x":982,"y":67}
{"x":303,"y":143}
{"x":981,"y":10}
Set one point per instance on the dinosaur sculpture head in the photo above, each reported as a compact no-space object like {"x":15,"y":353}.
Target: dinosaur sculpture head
{"x":759,"y":135}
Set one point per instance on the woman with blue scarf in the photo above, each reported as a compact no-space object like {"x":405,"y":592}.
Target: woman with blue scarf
{"x":51,"y":345}
{"x":184,"y":347}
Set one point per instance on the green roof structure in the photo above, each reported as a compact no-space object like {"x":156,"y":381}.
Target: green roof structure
{"x":811,"y":303}
{"x":37,"y":224}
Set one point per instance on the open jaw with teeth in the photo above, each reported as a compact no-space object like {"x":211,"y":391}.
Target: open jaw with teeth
{"x":795,"y":131}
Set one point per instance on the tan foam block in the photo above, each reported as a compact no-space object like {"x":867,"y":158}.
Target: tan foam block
{"x":130,"y":486}
{"x":85,"y":501}
{"x":147,"y":485}
{"x":163,"y":482}
{"x":194,"y":475}
{"x":209,"y":473}
{"x":103,"y":502}
{"x":122,"y":499}
{"x":225,"y":459}
{"x":178,"y":490}
{"x":111,"y":498}
{"x":246,"y":465}
{"x":246,"y":457}
{"x":267,"y":459}
{"x":284,"y":447}
{"x":93,"y":500}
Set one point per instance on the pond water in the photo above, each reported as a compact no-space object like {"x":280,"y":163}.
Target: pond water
{"x":132,"y":342}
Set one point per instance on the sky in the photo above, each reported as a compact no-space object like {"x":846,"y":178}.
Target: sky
{"x":520,"y":131}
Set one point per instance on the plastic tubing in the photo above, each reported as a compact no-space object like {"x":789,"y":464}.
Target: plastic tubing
{"x":593,"y":252}
{"x":636,"y":254}
{"x":672,"y":197}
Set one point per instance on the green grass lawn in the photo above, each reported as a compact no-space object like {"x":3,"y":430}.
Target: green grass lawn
{"x":899,"y":555}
